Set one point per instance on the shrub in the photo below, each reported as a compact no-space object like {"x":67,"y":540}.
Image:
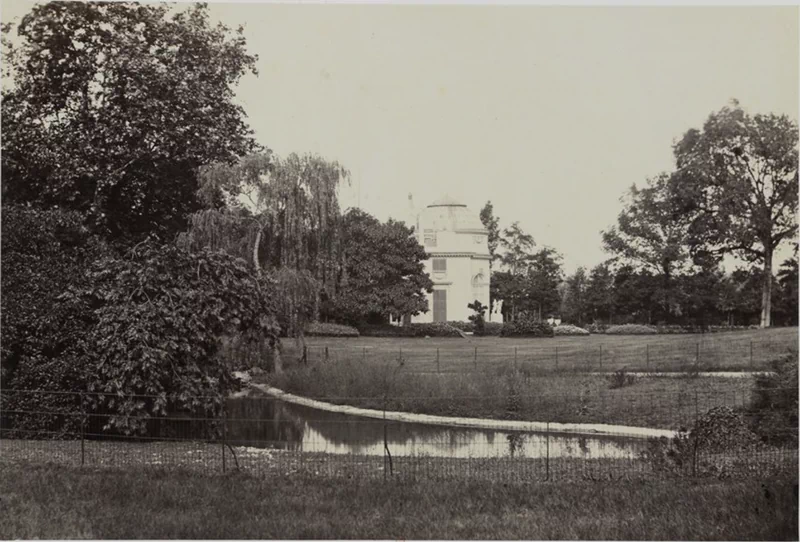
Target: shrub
{"x":631,"y":329}
{"x":526,"y":328}
{"x":44,"y":347}
{"x":322,"y":329}
{"x":478,"y":319}
{"x":152,"y":323}
{"x":436,"y":329}
{"x":597,"y":328}
{"x":569,"y":329}
{"x":489,"y":328}
{"x":620,"y":379}
{"x":773,"y":411}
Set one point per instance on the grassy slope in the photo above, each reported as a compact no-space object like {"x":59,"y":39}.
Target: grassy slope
{"x":668,"y":403}
{"x":65,"y":502}
{"x":729,"y":350}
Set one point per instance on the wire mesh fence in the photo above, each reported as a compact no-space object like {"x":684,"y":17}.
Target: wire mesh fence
{"x":268,"y":436}
{"x":645,"y":354}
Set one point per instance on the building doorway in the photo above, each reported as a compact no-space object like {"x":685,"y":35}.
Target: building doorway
{"x":440,"y":305}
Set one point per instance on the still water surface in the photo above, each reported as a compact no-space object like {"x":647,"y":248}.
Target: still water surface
{"x":271,"y":423}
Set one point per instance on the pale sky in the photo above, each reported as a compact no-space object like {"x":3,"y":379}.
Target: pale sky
{"x":549,"y":112}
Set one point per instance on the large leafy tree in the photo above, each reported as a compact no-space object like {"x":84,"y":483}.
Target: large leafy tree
{"x":738,"y":179}
{"x":492,"y":225}
{"x":281,"y":215}
{"x":633,"y":294}
{"x":112,"y":107}
{"x":542,"y":282}
{"x":78,"y":317}
{"x":652,"y":234}
{"x":383,"y":274}
{"x":788,"y":280}
{"x":509,"y":285}
{"x":574,"y":307}
{"x":44,"y":346}
{"x":517,"y":249}
{"x":160,"y":312}
{"x":600,"y":293}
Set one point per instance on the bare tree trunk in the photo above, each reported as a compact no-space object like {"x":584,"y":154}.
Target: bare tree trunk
{"x":766,"y":289}
{"x":256,"y":263}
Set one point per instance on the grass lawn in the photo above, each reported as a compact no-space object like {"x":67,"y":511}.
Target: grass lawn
{"x":69,"y":502}
{"x":499,"y":393}
{"x":739,"y":350}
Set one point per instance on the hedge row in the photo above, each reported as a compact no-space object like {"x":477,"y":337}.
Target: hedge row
{"x":438,"y":329}
{"x":490,"y":328}
{"x":662,"y":329}
{"x":526,"y":328}
{"x":569,"y":329}
{"x":322,"y":329}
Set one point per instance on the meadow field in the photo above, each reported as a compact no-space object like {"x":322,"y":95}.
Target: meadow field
{"x":62,"y":502}
{"x":562,"y":379}
{"x":731,"y":351}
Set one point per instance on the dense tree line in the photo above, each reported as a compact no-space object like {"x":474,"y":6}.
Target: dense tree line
{"x":143,"y":227}
{"x":733,"y":191}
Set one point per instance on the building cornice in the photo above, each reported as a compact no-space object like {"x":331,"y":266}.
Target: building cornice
{"x":473,"y":255}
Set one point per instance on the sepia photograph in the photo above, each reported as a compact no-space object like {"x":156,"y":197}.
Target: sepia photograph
{"x":399,"y":270}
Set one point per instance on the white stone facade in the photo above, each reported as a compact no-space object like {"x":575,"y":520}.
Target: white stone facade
{"x":458,"y":246}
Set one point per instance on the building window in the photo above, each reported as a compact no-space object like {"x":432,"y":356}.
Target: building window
{"x":430,"y":238}
{"x":479,"y":285}
{"x":439,"y":265}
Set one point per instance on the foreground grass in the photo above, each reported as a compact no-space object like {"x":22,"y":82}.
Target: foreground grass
{"x":667,"y":403}
{"x":67,"y":502}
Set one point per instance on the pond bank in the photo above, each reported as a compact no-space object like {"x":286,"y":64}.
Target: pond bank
{"x":476,"y":423}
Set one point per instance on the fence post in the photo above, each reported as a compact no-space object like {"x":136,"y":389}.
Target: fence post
{"x":305,"y":355}
{"x":547,"y":453}
{"x":647,"y":358}
{"x":515,"y":358}
{"x":556,"y":357}
{"x":365,"y":354}
{"x":400,"y":353}
{"x":327,"y":354}
{"x":437,"y":361}
{"x":224,"y":436}
{"x":696,"y":407}
{"x":697,"y":354}
{"x":601,"y":353}
{"x":83,"y":421}
{"x":476,"y":356}
{"x":751,"y":354}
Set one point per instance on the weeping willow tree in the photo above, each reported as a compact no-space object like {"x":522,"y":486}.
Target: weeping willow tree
{"x":281,"y":215}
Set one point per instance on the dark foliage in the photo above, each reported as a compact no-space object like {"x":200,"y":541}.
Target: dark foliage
{"x":478,"y":319}
{"x":322,"y":329}
{"x":775,"y":402}
{"x":77,"y":317}
{"x":438,"y":329}
{"x":383,"y":273}
{"x":526,"y":328}
{"x":44,"y":343}
{"x":113,"y":107}
{"x":489,"y":328}
{"x":161,"y":312}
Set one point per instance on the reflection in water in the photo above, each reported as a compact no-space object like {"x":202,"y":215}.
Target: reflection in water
{"x":270,"y":423}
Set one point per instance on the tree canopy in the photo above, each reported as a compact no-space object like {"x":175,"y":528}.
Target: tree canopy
{"x":737,"y":179}
{"x":383,"y":273}
{"x":112,"y":107}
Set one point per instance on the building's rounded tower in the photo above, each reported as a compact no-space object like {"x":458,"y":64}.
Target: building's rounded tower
{"x":458,"y":247}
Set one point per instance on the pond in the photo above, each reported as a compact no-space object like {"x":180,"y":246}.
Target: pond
{"x":272,"y":423}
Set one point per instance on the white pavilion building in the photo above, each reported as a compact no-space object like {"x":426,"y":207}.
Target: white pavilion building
{"x":458,"y":246}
